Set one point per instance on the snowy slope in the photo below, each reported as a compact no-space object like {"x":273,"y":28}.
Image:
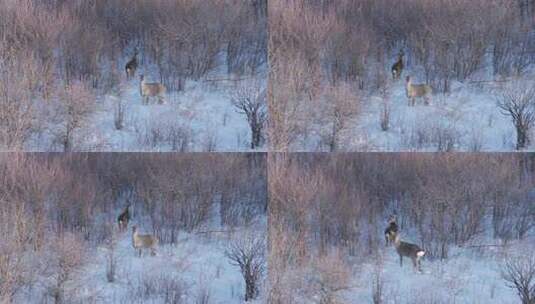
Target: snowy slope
{"x":201,"y":111}
{"x":469,"y":276}
{"x":468,"y":118}
{"x":196,"y":266}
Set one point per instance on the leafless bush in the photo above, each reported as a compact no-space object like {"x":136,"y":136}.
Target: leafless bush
{"x":341,"y":106}
{"x":331,"y":277}
{"x":385,"y":117}
{"x":312,"y":44}
{"x":249,"y":98}
{"x":441,"y":200}
{"x":118,"y":114}
{"x":248,"y":253}
{"x":154,"y":134}
{"x":202,"y":295}
{"x":111,"y":261}
{"x":519,"y":273}
{"x":518,"y":102}
{"x":209,"y":141}
{"x":378,"y":283}
{"x":428,"y":134}
{"x":17,"y":269}
{"x":68,"y":256}
{"x":17,"y":111}
{"x":75,"y":103}
{"x":170,"y":290}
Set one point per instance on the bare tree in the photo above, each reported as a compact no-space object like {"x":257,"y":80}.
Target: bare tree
{"x":341,"y":106}
{"x":75,"y":104}
{"x":69,"y":255}
{"x":519,"y":273}
{"x":17,"y":111}
{"x":249,"y":254}
{"x":518,"y":102}
{"x":118,"y":114}
{"x":250,"y":99}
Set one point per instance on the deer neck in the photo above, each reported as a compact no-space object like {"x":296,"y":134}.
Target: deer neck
{"x":409,"y":84}
{"x":397,"y":241}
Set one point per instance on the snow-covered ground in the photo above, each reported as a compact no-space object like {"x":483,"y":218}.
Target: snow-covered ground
{"x":199,"y":118}
{"x":467,"y":119}
{"x":194,"y":270}
{"x":202,"y":112}
{"x":194,"y":267}
{"x":470,"y":275}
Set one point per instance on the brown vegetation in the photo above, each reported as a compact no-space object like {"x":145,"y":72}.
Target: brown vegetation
{"x":320,"y":203}
{"x":315,"y":46}
{"x":48,"y":45}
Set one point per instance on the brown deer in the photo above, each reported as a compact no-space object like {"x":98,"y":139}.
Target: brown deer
{"x":131,"y":66}
{"x":397,"y":68}
{"x":391,"y":230}
{"x":151,"y":90}
{"x":409,"y":250}
{"x":417,"y":90}
{"x":143,"y":241}
{"x":124,"y":218}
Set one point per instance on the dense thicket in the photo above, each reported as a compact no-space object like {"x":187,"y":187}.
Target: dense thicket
{"x":56,"y":208}
{"x":440,"y":200}
{"x":46,"y":45}
{"x":315,"y":46}
{"x":327,"y":212}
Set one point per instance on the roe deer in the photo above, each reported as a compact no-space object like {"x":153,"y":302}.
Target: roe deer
{"x":141,"y":241}
{"x":151,"y":90}
{"x":131,"y":66}
{"x":409,"y":250}
{"x":391,"y":230}
{"x":417,"y":90}
{"x":397,"y":68}
{"x":124,"y":218}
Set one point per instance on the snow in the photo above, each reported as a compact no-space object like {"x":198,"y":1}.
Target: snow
{"x":196,"y":262}
{"x":201,"y":110}
{"x":468,"y":115}
{"x":469,"y":275}
{"x":198,"y":118}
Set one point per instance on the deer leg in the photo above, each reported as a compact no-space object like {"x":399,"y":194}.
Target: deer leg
{"x":414,"y":263}
{"x":400,"y":260}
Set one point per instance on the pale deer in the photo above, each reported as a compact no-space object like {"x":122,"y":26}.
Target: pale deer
{"x":143,"y":241}
{"x":417,"y":90}
{"x":151,"y":90}
{"x":391,"y":230}
{"x":397,"y":67}
{"x":131,"y":66}
{"x":124,"y":218}
{"x":409,"y":250}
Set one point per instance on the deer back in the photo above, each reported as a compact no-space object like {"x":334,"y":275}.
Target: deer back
{"x":144,"y":240}
{"x":407,"y":249}
{"x":152,"y":89}
{"x":418,"y":90}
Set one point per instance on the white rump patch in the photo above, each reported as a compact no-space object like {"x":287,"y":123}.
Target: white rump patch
{"x":420,"y":253}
